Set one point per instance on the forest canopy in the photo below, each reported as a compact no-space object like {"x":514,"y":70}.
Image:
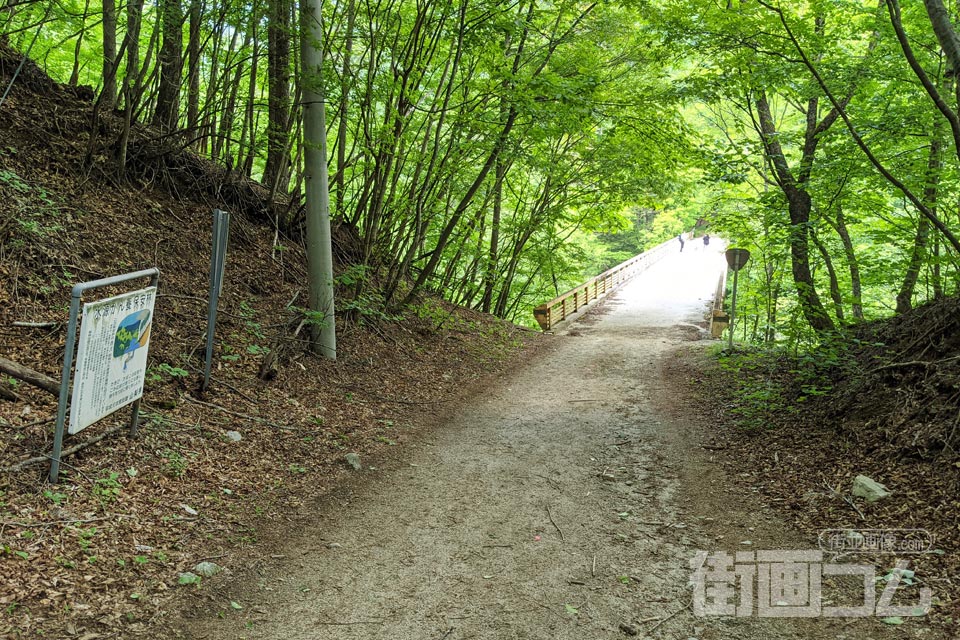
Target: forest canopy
{"x":499,"y":152}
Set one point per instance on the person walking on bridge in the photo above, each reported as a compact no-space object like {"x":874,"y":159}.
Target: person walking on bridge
{"x":680,"y":238}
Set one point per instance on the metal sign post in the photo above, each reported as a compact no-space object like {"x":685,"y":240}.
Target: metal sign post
{"x":218,"y":258}
{"x":95,"y":394}
{"x":736,"y":258}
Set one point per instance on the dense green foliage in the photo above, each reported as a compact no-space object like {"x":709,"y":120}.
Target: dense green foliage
{"x":499,"y":152}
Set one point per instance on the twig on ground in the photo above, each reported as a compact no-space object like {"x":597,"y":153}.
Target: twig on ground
{"x":850,"y":502}
{"x":63,"y":454}
{"x":381,"y":400}
{"x":236,"y":413}
{"x":34,"y":325}
{"x":556,"y":526}
{"x":593,"y":568}
{"x":35,"y":423}
{"x":50,"y":523}
{"x":447,"y":634}
{"x":681,"y":609}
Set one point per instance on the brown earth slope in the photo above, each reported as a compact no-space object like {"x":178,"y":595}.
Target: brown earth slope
{"x":98,"y":554}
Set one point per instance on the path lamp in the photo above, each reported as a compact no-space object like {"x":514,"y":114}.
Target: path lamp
{"x":736,"y":258}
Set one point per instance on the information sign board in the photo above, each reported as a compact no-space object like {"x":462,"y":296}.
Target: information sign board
{"x":111,"y":356}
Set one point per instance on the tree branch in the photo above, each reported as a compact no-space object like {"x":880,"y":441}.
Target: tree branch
{"x":912,"y":197}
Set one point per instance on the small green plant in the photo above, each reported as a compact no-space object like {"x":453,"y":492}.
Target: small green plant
{"x":189,"y":578}
{"x":86,"y":537}
{"x":108,"y":487}
{"x":297,"y":468}
{"x":163,"y":370}
{"x":54,"y":496}
{"x":140,"y":560}
{"x":175,"y":464}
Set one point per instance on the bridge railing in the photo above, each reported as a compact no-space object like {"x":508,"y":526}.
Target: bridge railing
{"x":718,"y":317}
{"x":566,"y":304}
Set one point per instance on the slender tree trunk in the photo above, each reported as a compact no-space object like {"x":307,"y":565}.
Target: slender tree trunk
{"x":167,"y":112}
{"x":937,"y":279}
{"x":930,"y":190}
{"x":832,"y":275}
{"x":799,"y":205}
{"x":856,"y":287}
{"x":75,"y":72}
{"x":109,"y":53}
{"x":224,"y":140}
{"x":318,"y":241}
{"x":132,"y":74}
{"x":278,"y":97}
{"x":193,"y":68}
{"x":342,"y":121}
{"x":246,"y":145}
{"x":490,"y":273}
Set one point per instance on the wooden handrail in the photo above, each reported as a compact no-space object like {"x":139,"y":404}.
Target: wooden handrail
{"x":718,"y":317}
{"x":550,"y":313}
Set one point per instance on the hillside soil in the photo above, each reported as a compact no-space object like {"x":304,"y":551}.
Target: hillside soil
{"x":565,"y":501}
{"x":101,"y":553}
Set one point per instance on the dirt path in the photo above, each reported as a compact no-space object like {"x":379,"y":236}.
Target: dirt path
{"x":562,"y":503}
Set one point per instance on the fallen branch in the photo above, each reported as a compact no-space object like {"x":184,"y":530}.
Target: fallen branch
{"x":34,"y":325}
{"x":850,"y":502}
{"x":237,"y":414}
{"x":7,"y":394}
{"x":550,"y":515}
{"x":914,"y":363}
{"x":28,"y":375}
{"x":50,"y":523}
{"x":672,"y":615}
{"x":382,"y":400}
{"x":63,"y":454}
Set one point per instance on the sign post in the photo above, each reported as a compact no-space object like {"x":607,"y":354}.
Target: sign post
{"x":111,"y":357}
{"x":218,"y":258}
{"x":736,"y":258}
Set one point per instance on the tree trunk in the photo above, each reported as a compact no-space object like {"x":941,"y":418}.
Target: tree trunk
{"x":75,"y":72}
{"x":345,"y":82}
{"x":278,"y":97}
{"x":856,"y":287}
{"x":193,"y":69}
{"x":799,"y":205}
{"x":109,"y":24}
{"x":318,"y":240}
{"x":131,"y":77}
{"x":167,"y":112}
{"x":832,"y":275}
{"x":490,"y":273}
{"x":930,"y":190}
{"x":222,"y":142}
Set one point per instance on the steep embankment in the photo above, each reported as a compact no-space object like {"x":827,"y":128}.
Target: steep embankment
{"x":100,"y":552}
{"x":885,"y":405}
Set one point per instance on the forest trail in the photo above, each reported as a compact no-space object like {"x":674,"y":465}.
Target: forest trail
{"x":560,"y":503}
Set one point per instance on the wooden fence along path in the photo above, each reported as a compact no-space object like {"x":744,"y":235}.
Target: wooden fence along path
{"x":568,"y":303}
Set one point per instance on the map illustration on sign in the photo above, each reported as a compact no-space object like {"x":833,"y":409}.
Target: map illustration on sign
{"x":111,"y":356}
{"x":133,"y":333}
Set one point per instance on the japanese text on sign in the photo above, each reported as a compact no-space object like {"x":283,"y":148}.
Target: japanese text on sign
{"x":112,"y":356}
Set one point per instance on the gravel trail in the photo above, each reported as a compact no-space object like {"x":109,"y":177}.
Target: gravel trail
{"x":560,"y":503}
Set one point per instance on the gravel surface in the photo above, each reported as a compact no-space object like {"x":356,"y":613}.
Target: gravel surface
{"x":565,"y":501}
